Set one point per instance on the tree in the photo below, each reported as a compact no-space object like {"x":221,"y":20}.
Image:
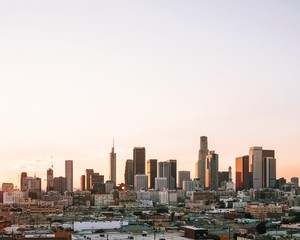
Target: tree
{"x":261,"y":228}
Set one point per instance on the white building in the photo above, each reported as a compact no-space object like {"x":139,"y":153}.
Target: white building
{"x":187,"y":185}
{"x":161,"y":183}
{"x":103,"y":199}
{"x":140,"y":182}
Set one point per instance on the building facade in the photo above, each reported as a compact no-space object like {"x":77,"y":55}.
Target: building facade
{"x":139,"y":160}
{"x":140,"y":182}
{"x":128,"y":175}
{"x":201,"y":164}
{"x":113,"y":166}
{"x":212,"y":169}
{"x":183,"y":176}
{"x":151,"y":172}
{"x":69,"y":174}
{"x":242,"y":177}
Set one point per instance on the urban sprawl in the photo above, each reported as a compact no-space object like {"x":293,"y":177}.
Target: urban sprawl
{"x":156,"y":201}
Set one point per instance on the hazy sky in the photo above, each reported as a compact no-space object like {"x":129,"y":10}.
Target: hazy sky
{"x":158,"y":74}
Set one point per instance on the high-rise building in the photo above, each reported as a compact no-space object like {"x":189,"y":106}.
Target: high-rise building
{"x":82,"y":183}
{"x":140,"y":182}
{"x":109,"y":186}
{"x":60,"y":184}
{"x":187,"y":185}
{"x":161,"y":183}
{"x":223,"y":177}
{"x":269,"y":169}
{"x":128,"y":176}
{"x":201,"y":164}
{"x":173,"y":174}
{"x":212,"y":169}
{"x":113,"y":165}
{"x":183,"y":176}
{"x":242,"y":177}
{"x":295,"y":180}
{"x":34,"y":186}
{"x":88,"y":173}
{"x":96,"y":180}
{"x":263,"y":167}
{"x":69,"y":174}
{"x":151,"y":172}
{"x":169,"y":171}
{"x":160,"y":169}
{"x":23,"y":176}
{"x":139,"y":160}
{"x":256,"y":166}
{"x":49,"y":179}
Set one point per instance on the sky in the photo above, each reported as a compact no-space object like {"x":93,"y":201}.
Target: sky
{"x":158,"y":74}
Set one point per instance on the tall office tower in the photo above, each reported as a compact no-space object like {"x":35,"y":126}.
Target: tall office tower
{"x":201,"y":164}
{"x":223,"y":177}
{"x":96,"y":181}
{"x":109,"y":186}
{"x":113,"y":165}
{"x":187,"y":185}
{"x":161,"y":183}
{"x":295,"y":180}
{"x":82,"y":183}
{"x":173,"y":174}
{"x":49,"y":179}
{"x":34,"y":186}
{"x":69,"y":174}
{"x":23,"y":175}
{"x":128,"y":175}
{"x":140,"y":182}
{"x":169,"y":171}
{"x":269,"y":169}
{"x":160,"y":169}
{"x":242,"y":177}
{"x":183,"y":176}
{"x":256,"y":166}
{"x":263,"y":166}
{"x":139,"y":160}
{"x":151,"y":172}
{"x":60,"y":184}
{"x":88,"y":173}
{"x":212,"y":169}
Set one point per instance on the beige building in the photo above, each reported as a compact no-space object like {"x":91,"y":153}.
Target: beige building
{"x":261,"y":211}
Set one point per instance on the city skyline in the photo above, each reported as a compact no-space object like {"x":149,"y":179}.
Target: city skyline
{"x":266,"y":158}
{"x":75,"y":75}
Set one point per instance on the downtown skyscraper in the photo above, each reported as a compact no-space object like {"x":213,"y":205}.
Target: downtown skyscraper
{"x":242,"y":176}
{"x":139,"y":160}
{"x":168,"y":170}
{"x":262,"y":165}
{"x":212,"y":169}
{"x":151,"y":172}
{"x":69,"y":174}
{"x":113,"y":165}
{"x":201,"y":163}
{"x":128,"y":175}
